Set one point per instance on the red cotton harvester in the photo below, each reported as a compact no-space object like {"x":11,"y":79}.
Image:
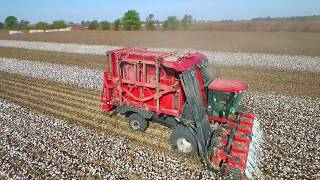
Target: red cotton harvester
{"x":178,"y":92}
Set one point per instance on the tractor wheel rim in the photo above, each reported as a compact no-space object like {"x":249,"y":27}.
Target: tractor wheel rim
{"x":135,"y":125}
{"x":184,"y":145}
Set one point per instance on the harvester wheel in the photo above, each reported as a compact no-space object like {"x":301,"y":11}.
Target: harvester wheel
{"x":138,"y":122}
{"x":183,"y":141}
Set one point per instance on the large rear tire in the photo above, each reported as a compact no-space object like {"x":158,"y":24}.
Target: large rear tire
{"x":183,"y":141}
{"x":137,"y":122}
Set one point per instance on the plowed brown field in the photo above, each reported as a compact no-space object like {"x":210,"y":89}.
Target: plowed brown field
{"x":298,"y":43}
{"x":293,"y":83}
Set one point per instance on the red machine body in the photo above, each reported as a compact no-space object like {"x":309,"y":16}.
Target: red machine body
{"x":131,"y":80}
{"x":134,"y":82}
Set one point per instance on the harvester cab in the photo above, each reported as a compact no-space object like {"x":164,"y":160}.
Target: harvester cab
{"x":223,"y":97}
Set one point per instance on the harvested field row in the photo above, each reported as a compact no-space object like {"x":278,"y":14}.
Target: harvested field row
{"x":75,"y":109}
{"x":290,"y":126}
{"x":81,"y":60}
{"x":88,"y":78}
{"x":56,"y":99}
{"x":35,"y":146}
{"x":286,"y":62}
{"x":253,"y":42}
{"x":292,"y":83}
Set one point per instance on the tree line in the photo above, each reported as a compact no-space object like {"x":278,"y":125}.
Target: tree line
{"x":130,"y":22}
{"x":12,"y":23}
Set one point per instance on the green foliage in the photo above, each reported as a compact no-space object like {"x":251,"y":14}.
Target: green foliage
{"x":131,"y":20}
{"x":93,"y":25}
{"x":42,"y":25}
{"x":104,"y":25}
{"x":60,"y":24}
{"x":1,"y":25}
{"x":186,"y":20}
{"x":172,"y":23}
{"x":116,"y":25}
{"x":11,"y":23}
{"x":150,"y":22}
{"x":23,"y":24}
{"x":85,"y":23}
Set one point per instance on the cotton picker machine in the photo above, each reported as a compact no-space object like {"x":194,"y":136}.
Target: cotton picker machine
{"x":177,"y":91}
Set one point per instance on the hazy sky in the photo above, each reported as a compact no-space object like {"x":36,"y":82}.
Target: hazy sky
{"x":77,"y":10}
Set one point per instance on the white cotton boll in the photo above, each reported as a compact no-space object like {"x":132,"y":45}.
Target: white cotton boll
{"x":287,"y":62}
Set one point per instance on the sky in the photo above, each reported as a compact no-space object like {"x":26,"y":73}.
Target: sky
{"x":77,"y":10}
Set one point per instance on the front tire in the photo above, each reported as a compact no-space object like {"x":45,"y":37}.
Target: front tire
{"x":137,"y":122}
{"x":183,"y":141}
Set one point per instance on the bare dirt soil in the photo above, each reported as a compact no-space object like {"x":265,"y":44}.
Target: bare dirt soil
{"x":297,"y":43}
{"x":261,"y":26}
{"x":292,"y":83}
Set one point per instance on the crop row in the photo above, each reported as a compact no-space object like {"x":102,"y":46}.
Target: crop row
{"x":36,"y":146}
{"x":287,"y":62}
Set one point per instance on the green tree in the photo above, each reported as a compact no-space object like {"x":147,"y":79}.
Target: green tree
{"x":1,"y":25}
{"x":190,"y":18}
{"x":104,"y":25}
{"x":60,"y":24}
{"x":42,"y":25}
{"x":186,"y":20}
{"x":172,"y":23}
{"x":11,"y":22}
{"x":116,"y":25}
{"x":23,"y":24}
{"x":131,"y":20}
{"x":150,"y":22}
{"x":85,"y":23}
{"x":93,"y":25}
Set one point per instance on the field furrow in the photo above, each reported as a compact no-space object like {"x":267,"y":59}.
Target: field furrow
{"x":58,"y":105}
{"x":71,"y":105}
{"x":287,"y":62}
{"x":67,"y":112}
{"x":57,"y":87}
